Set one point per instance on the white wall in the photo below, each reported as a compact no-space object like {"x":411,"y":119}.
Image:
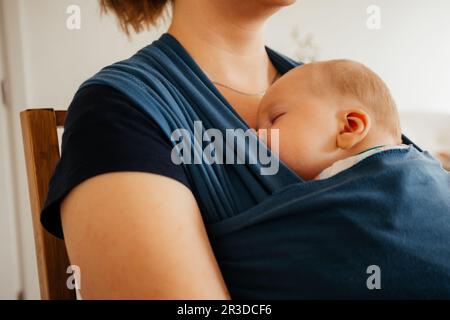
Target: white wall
{"x":410,"y":52}
{"x":16,"y":96}
{"x":60,"y":59}
{"x":46,"y":62}
{"x":10,"y":285}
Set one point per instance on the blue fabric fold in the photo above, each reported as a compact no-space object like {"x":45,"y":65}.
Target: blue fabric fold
{"x":278,"y":236}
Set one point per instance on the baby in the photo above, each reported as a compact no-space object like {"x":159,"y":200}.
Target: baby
{"x":330,"y":116}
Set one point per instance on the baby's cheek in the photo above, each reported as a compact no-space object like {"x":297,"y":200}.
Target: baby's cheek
{"x":297,"y":150}
{"x":266,"y":136}
{"x":290,"y":148}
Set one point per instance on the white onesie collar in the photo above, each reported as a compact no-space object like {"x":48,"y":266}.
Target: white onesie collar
{"x":349,"y":162}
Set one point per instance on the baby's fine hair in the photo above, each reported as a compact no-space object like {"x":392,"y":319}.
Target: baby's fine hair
{"x":353,"y":79}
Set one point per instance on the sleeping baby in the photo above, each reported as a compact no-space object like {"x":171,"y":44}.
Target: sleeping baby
{"x":330,"y":116}
{"x":371,"y":202}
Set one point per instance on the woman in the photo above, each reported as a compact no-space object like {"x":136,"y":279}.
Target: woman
{"x":114,"y":188}
{"x":139,"y":226}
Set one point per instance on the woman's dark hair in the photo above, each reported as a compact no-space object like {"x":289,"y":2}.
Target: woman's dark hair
{"x":136,"y":14}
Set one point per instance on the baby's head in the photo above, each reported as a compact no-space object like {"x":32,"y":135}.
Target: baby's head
{"x":328,"y":111}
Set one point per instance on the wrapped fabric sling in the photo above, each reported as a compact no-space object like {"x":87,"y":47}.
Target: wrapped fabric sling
{"x":378,"y":230}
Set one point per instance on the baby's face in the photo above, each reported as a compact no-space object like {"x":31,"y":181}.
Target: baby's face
{"x":307,"y":124}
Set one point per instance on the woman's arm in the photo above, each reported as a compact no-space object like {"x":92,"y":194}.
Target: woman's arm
{"x":139,"y":236}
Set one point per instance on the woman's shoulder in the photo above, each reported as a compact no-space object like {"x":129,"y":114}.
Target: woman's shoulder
{"x":98,"y":100}
{"x":141,"y":79}
{"x":104,"y":132}
{"x":148,"y":64}
{"x":105,"y":113}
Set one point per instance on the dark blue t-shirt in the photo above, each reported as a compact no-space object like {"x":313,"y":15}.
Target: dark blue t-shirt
{"x":104,"y":133}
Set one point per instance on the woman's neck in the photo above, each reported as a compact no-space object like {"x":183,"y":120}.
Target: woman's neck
{"x":228,"y":44}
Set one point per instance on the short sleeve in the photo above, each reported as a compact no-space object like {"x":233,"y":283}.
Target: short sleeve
{"x":104,"y":132}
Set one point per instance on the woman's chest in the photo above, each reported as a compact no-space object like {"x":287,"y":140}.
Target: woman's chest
{"x":245,"y":106}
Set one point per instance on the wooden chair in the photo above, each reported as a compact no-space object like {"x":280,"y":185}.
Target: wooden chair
{"x":39,"y":129}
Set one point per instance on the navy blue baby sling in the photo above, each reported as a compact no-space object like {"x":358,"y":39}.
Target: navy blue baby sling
{"x":379,"y":230}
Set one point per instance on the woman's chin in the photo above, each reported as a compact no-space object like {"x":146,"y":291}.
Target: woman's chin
{"x":283,"y":3}
{"x":278,"y":3}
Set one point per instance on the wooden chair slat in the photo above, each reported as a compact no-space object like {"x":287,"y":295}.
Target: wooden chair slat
{"x":39,"y":130}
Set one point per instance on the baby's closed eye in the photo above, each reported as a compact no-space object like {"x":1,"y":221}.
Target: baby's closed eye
{"x":276,"y":116}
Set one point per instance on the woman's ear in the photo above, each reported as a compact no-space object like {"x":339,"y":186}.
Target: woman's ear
{"x":354,"y":125}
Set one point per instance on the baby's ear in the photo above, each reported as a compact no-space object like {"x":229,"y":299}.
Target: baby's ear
{"x":354,"y":125}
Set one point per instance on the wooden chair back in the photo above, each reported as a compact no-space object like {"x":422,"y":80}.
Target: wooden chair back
{"x":41,"y":146}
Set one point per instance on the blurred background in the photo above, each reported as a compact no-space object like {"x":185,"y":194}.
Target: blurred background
{"x":45,"y":56}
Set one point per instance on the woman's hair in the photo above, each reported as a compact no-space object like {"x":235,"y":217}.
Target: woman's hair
{"x":136,"y":14}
